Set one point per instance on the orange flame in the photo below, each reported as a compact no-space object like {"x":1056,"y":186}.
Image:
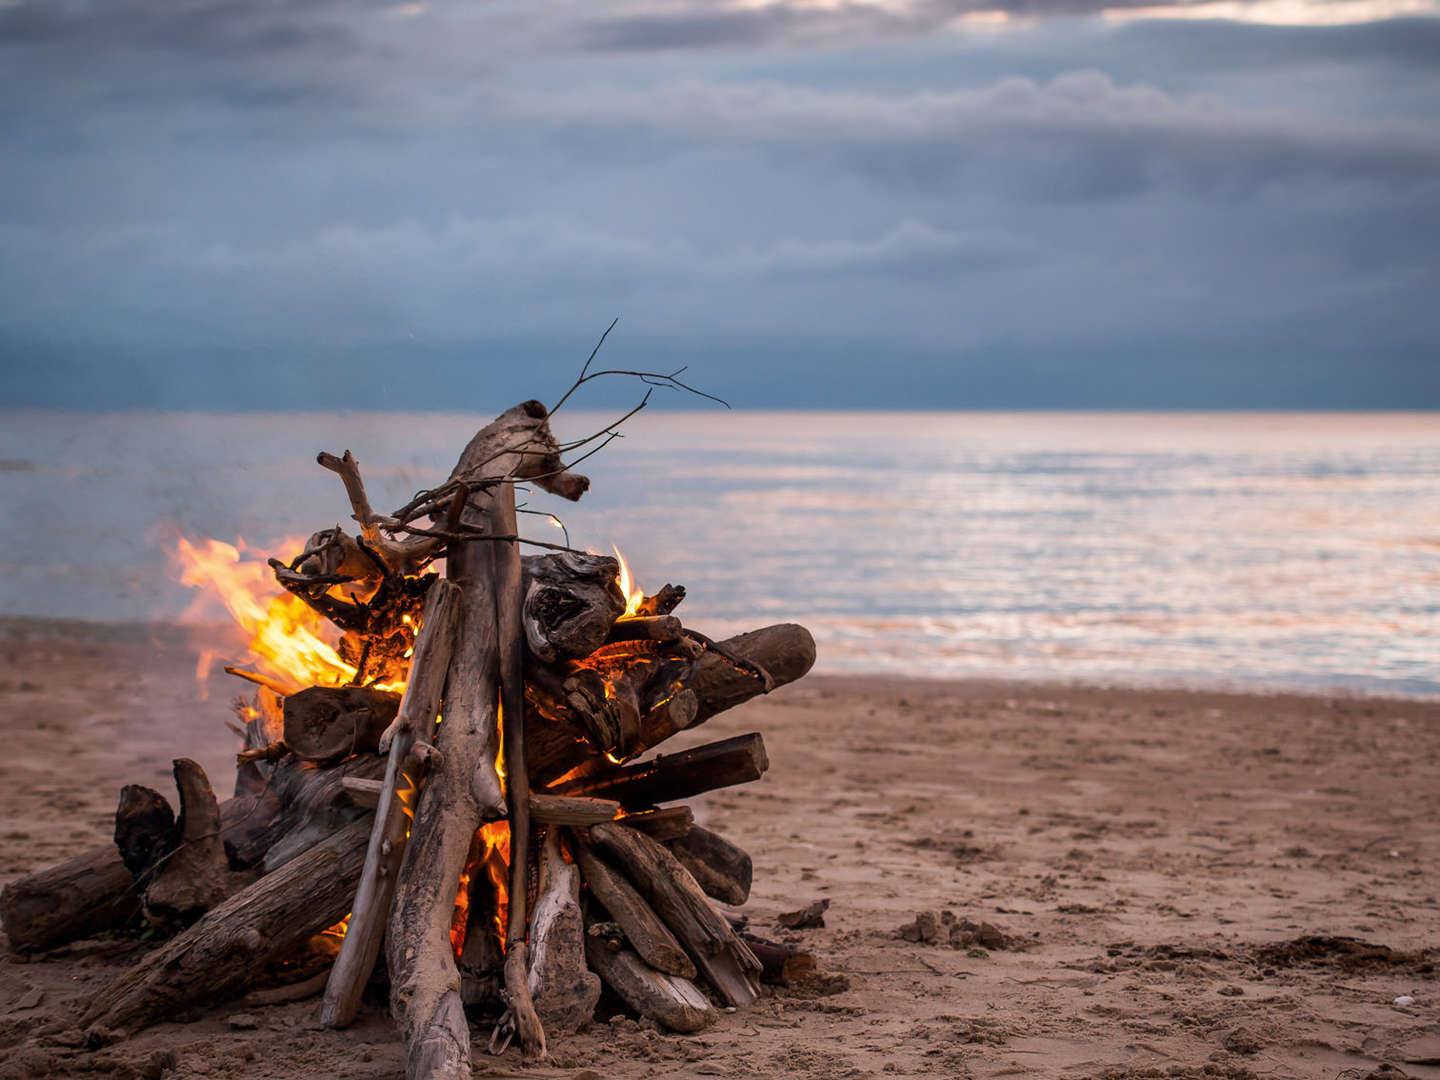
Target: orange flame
{"x":634,"y":595}
{"x":284,"y":633}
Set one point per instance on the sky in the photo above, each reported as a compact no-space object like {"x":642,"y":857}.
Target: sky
{"x":247,"y":204}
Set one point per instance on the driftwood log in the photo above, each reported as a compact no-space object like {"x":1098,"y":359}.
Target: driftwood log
{"x":425,"y":989}
{"x":414,"y":722}
{"x":219,"y":956}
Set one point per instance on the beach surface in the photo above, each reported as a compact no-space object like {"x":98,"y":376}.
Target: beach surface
{"x":1160,"y":883}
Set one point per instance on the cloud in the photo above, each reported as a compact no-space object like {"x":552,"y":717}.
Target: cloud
{"x":1080,"y":121}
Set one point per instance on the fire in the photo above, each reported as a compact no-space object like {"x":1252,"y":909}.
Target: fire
{"x":489,"y":861}
{"x":634,"y":595}
{"x":285,"y":639}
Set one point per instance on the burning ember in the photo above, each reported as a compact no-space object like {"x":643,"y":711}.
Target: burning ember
{"x":413,"y":730}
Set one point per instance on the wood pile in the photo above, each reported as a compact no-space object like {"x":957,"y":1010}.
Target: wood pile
{"x":487,"y":835}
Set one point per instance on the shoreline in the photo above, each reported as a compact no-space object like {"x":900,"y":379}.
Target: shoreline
{"x":215,"y":634}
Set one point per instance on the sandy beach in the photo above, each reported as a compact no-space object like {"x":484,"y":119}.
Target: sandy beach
{"x":1162,"y":883}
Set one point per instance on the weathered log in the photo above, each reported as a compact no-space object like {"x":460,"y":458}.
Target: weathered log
{"x":194,"y":876}
{"x":786,"y":651}
{"x":86,"y":894}
{"x":562,"y":988}
{"x":670,"y":1000}
{"x":670,"y":777}
{"x":721,"y":957}
{"x":723,"y":870}
{"x":665,"y":823}
{"x":298,"y":806}
{"x":328,"y":723}
{"x":571,"y":809}
{"x":648,"y":936}
{"x":218,"y":956}
{"x":425,"y":991}
{"x":571,"y":600}
{"x":509,"y":601}
{"x":415,"y":719}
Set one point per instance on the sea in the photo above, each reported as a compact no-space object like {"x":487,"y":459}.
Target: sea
{"x":1286,"y":551}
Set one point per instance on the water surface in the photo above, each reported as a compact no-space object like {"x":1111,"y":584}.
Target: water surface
{"x":1284,"y":550}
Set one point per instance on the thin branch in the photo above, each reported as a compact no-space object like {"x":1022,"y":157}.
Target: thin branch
{"x":586,"y":368}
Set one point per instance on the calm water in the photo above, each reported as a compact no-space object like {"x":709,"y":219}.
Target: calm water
{"x":1290,"y":550}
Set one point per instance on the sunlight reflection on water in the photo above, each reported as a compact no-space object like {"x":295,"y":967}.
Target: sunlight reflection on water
{"x":1296,"y":550}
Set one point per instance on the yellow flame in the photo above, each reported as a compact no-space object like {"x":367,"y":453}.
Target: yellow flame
{"x":284,"y":632}
{"x":634,"y":595}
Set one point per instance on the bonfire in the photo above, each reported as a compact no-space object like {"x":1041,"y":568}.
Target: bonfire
{"x":443,"y":790}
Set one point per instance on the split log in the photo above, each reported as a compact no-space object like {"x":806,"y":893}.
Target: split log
{"x":670,"y":777}
{"x":563,"y":989}
{"x":218,"y":957}
{"x":194,"y":876}
{"x":415,"y":720}
{"x":670,"y":1000}
{"x":721,"y":868}
{"x":721,"y":957}
{"x":571,"y":601}
{"x":571,"y":809}
{"x":648,"y":936}
{"x":425,"y":991}
{"x":664,"y":824}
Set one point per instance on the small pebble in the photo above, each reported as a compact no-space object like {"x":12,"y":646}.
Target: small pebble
{"x":1404,"y":1000}
{"x":243,"y":1022}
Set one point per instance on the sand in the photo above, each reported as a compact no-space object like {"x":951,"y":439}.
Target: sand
{"x":1140,"y":867}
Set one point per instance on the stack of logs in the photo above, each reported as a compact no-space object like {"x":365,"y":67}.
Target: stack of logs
{"x":484,"y":827}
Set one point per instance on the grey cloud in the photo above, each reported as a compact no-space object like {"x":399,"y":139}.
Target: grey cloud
{"x":1079,"y":120}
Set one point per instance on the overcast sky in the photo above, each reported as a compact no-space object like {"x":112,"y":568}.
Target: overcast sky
{"x":1015,"y":203}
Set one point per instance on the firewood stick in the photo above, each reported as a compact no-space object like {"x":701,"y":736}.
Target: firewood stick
{"x":563,"y":989}
{"x":671,"y":1000}
{"x":425,"y":986}
{"x":722,"y":958}
{"x":571,"y":809}
{"x":571,"y":601}
{"x":670,"y":777}
{"x":509,"y":598}
{"x":371,"y":909}
{"x":218,"y":957}
{"x":647,"y":934}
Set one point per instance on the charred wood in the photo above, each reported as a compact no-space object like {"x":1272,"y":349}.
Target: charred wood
{"x":670,"y":777}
